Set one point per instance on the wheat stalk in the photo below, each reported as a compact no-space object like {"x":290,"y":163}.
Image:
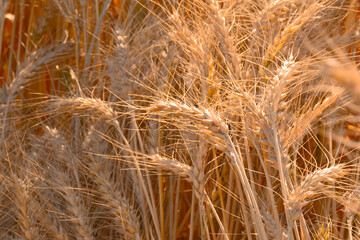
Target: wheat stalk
{"x":250,"y":106}
{"x":4,"y":5}
{"x":218,"y":128}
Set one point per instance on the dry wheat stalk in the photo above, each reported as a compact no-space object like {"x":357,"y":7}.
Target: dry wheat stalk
{"x":219,"y":129}
{"x":192,"y":176}
{"x":4,"y":5}
{"x":67,"y":9}
{"x":176,"y":50}
{"x":89,"y":53}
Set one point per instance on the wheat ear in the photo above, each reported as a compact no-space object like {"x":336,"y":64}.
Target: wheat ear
{"x":191,"y":175}
{"x":24,"y":210}
{"x":75,"y":206}
{"x":120,"y":206}
{"x":313,"y":184}
{"x":212,"y":122}
{"x":36,"y":60}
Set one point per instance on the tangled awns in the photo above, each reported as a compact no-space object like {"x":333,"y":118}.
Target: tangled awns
{"x":179,"y":119}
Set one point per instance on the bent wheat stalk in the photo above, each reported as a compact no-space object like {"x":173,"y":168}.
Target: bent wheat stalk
{"x":189,"y":173}
{"x":218,"y":128}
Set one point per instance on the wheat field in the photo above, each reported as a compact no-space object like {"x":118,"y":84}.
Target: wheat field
{"x":179,"y":119}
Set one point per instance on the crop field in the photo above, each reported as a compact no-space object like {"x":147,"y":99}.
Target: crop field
{"x":180,"y":119}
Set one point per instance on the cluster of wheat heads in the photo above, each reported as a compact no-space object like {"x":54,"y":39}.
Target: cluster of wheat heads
{"x":179,"y":119}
